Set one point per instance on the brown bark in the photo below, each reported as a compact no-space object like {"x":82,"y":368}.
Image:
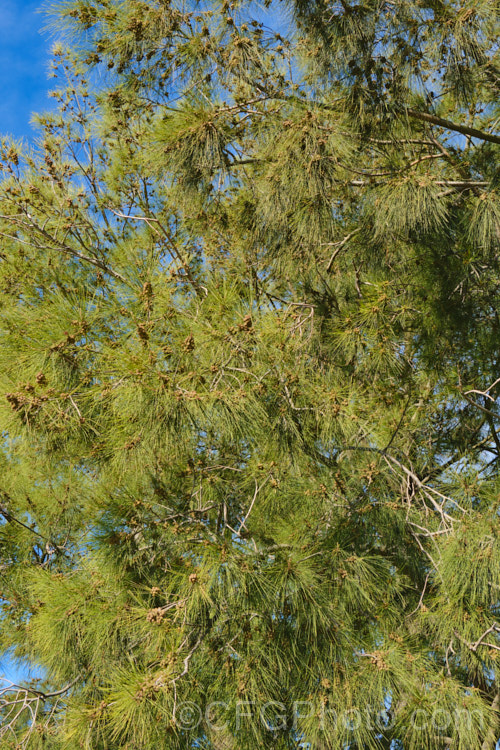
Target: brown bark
{"x":442,"y":123}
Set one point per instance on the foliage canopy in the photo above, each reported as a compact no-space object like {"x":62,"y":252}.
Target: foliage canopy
{"x":248,"y":390}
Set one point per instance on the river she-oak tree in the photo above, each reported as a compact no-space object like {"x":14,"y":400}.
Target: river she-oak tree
{"x":250,"y":379}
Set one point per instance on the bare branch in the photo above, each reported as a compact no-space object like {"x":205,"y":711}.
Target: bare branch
{"x":257,"y":490}
{"x":448,"y":125}
{"x":338,"y":247}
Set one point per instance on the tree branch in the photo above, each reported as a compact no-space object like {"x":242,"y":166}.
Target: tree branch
{"x":491,"y":735}
{"x":448,"y":125}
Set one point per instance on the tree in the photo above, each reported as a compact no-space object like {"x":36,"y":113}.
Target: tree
{"x":250,"y":275}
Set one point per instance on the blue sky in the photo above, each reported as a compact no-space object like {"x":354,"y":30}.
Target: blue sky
{"x":24,"y":59}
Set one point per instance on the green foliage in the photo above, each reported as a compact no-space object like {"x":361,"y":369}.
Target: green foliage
{"x":249,"y":276}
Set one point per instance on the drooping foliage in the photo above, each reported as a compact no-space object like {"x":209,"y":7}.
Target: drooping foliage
{"x":249,"y":379}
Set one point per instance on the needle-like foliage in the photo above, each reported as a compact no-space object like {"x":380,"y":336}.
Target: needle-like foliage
{"x":249,"y":274}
